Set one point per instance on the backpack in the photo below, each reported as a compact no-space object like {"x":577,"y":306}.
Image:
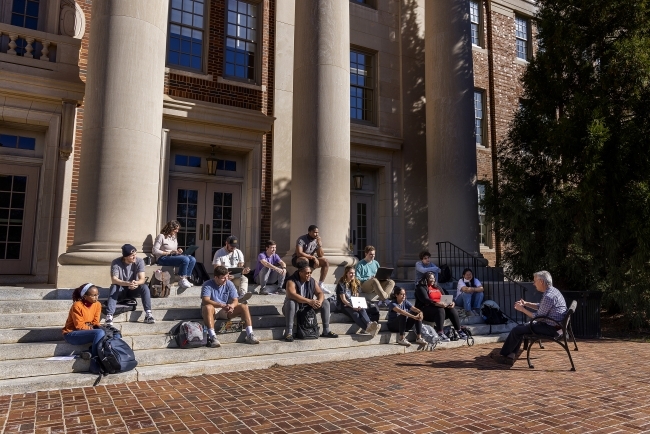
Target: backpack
{"x":445,"y":274}
{"x":189,"y":334}
{"x":199,"y":274}
{"x":307,"y":323}
{"x":126,"y":305}
{"x":159,"y":284}
{"x":451,"y":333}
{"x":373,"y":312}
{"x":468,"y":333}
{"x":430,"y":335}
{"x":491,"y":314}
{"x":114,"y":355}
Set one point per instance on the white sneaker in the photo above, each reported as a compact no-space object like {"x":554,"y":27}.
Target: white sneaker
{"x":251,"y":339}
{"x":372,"y":328}
{"x":244,"y":297}
{"x":443,"y":337}
{"x":325,"y":290}
{"x":108,"y":319}
{"x":420,"y":341}
{"x":184,"y":283}
{"x":404,"y":342}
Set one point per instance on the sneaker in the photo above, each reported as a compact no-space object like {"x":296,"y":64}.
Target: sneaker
{"x":281,"y":291}
{"x":264,"y":291}
{"x":185,"y":283}
{"x":461,"y":334}
{"x":288,"y":337}
{"x":251,"y":339}
{"x":244,"y":298}
{"x":420,"y":341}
{"x":85,"y":355}
{"x":108,"y":319}
{"x":443,"y":337}
{"x":469,"y":313}
{"x":404,"y":342}
{"x":148,"y":319}
{"x":213,"y":342}
{"x":477,"y":311}
{"x":372,"y":328}
{"x":325,"y":290}
{"x":329,"y":334}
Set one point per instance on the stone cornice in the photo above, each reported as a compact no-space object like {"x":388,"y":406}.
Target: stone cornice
{"x":370,"y":136}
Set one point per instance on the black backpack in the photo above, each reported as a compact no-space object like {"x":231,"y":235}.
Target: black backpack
{"x":126,"y":305}
{"x":307,"y":324}
{"x":114,"y":355}
{"x":373,"y":312}
{"x":492,"y":315}
{"x":199,"y":274}
{"x":451,"y":333}
{"x":445,"y":274}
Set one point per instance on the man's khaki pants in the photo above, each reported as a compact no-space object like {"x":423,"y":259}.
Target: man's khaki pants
{"x":374,"y":286}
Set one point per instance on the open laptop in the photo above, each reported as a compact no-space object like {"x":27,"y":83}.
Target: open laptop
{"x":190,"y":249}
{"x":446,"y":299}
{"x":235,"y":271}
{"x":359,"y":302}
{"x":384,"y":273}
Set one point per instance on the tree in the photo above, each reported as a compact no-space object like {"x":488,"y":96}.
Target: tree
{"x":574,"y":171}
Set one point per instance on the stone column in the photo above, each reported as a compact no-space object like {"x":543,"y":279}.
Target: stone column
{"x":120,"y":153}
{"x":451,"y":147}
{"x":320,"y":168}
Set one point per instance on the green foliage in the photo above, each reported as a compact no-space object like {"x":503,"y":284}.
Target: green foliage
{"x":574,"y":171}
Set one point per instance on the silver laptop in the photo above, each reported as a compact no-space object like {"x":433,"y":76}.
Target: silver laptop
{"x":446,"y":299}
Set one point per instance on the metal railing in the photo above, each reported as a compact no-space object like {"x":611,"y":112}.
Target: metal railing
{"x":499,"y":287}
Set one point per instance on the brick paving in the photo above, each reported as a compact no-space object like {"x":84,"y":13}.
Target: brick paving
{"x":444,"y":391}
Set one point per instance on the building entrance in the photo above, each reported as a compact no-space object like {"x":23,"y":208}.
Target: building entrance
{"x":18,"y":197}
{"x":208,"y":214}
{"x":360,"y":223}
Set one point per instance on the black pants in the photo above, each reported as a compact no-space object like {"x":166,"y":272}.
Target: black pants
{"x":360,"y":318}
{"x":403,"y":324}
{"x":515,"y":338}
{"x":438,"y":314}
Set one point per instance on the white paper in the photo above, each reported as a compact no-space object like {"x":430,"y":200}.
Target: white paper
{"x":62,"y":358}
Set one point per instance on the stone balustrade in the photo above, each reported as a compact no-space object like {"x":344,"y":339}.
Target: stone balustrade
{"x":34,"y":44}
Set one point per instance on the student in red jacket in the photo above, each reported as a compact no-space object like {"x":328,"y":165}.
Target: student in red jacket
{"x":83,"y":318}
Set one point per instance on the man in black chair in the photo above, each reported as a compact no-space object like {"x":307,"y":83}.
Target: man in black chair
{"x":552,"y":305}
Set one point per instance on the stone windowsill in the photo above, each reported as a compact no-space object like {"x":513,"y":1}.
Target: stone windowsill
{"x":207,"y":77}
{"x":222,"y":80}
{"x":522,"y":62}
{"x":479,"y":49}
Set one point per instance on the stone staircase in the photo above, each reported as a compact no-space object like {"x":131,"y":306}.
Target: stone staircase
{"x":30,"y":332}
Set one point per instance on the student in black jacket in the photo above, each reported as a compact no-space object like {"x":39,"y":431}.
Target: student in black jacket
{"x":427,"y":299}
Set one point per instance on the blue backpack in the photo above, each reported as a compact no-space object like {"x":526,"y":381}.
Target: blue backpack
{"x":114,"y":355}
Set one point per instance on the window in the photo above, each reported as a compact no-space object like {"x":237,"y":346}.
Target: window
{"x":521,"y":35}
{"x":475,"y":20}
{"x":24,"y":13}
{"x":228,"y":165}
{"x":17,"y":142}
{"x":185,"y":46}
{"x":241,"y":40}
{"x":485,"y":230}
{"x":186,"y":160}
{"x":361,"y":86}
{"x":478,"y":117}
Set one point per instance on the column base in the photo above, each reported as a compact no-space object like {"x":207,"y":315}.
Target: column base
{"x":71,"y":276}
{"x":95,"y":253}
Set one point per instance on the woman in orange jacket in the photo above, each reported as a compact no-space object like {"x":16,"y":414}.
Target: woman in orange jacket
{"x":83,"y":318}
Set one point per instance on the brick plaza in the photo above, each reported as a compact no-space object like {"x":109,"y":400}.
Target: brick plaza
{"x":444,"y":391}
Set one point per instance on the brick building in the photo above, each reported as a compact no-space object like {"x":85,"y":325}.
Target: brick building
{"x":249,"y":117}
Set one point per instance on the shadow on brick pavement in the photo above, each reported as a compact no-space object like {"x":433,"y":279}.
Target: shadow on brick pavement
{"x":444,"y":391}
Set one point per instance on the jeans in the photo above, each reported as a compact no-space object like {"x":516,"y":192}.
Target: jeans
{"x":374,"y":286}
{"x":438,"y":314}
{"x":184,"y":263}
{"x":402,"y":324}
{"x":267,"y":276}
{"x":121,"y":292}
{"x":289,"y":310}
{"x":470,"y":300}
{"x":360,"y":318}
{"x":81,"y":337}
{"x":514,"y":339}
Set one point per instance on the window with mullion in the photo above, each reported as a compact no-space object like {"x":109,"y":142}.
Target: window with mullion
{"x":24,"y":13}
{"x":485,"y":229}
{"x":361,"y":86}
{"x":186,"y":23}
{"x":521,"y":37}
{"x":478,"y":117}
{"x":475,"y":20}
{"x":241,"y":40}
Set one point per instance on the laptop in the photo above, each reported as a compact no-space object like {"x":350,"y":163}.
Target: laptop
{"x":235,"y":271}
{"x":446,"y":299}
{"x":190,"y":249}
{"x":384,"y":273}
{"x":359,"y":302}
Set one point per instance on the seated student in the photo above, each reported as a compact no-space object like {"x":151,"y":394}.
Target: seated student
{"x":165,"y":249}
{"x":83,"y":318}
{"x":348,"y":287}
{"x":230,"y":256}
{"x":301,"y":289}
{"x":366,"y":270}
{"x":219,"y":301}
{"x":310,"y":247}
{"x":470,"y":293}
{"x":127,"y":276}
{"x":425,"y":265}
{"x":270,"y":269}
{"x":400,"y":318}
{"x":427,"y":299}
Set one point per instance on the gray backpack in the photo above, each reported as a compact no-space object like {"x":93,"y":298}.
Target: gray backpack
{"x":430,"y":335}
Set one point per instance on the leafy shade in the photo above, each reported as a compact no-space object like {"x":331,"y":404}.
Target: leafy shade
{"x":574,"y":172}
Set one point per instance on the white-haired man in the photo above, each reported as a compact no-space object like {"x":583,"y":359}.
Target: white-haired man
{"x":552,"y":306}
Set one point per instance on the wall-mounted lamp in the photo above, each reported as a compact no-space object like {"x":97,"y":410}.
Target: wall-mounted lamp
{"x":212,"y":162}
{"x":357,"y":179}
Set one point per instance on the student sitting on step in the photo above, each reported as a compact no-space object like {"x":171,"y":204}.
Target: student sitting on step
{"x":219,"y":300}
{"x":347,"y":288}
{"x":83,"y":318}
{"x":425,"y":265}
{"x":165,"y":249}
{"x":230,"y":256}
{"x":270,"y":269}
{"x":427,"y":299}
{"x":301,"y":289}
{"x":470,"y":293}
{"x":402,"y":317}
{"x":127,"y":278}
{"x":366,"y":271}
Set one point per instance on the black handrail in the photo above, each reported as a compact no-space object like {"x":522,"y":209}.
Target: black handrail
{"x":498,"y":286}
